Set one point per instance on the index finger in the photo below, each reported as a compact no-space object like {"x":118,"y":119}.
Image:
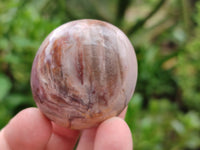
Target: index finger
{"x":29,"y":129}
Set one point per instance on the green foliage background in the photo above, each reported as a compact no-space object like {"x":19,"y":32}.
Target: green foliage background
{"x":164,"y":113}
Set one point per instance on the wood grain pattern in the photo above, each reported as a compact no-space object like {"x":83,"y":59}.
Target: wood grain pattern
{"x":84,"y":72}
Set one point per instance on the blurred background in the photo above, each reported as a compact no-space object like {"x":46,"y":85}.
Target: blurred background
{"x":164,"y":113}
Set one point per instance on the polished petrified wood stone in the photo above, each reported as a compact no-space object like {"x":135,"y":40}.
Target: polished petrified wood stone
{"x":84,"y":72}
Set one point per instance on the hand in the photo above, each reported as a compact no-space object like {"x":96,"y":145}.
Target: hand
{"x":30,"y":130}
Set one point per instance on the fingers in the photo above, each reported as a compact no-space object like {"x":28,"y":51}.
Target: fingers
{"x":29,"y":129}
{"x":123,"y":113}
{"x":62,"y":138}
{"x":86,"y":141}
{"x":88,"y":136}
{"x":3,"y":143}
{"x":113,"y":134}
{"x":66,"y":138}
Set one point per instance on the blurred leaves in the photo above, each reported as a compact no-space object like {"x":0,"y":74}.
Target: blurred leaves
{"x":5,"y":86}
{"x":164,"y":112}
{"x":162,"y":125}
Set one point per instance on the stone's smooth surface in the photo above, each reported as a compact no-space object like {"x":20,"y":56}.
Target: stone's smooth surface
{"x":84,"y":72}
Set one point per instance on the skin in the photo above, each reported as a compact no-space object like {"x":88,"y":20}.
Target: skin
{"x":29,"y":129}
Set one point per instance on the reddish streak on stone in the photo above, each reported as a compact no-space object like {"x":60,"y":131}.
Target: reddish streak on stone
{"x":59,"y":100}
{"x":103,"y":100}
{"x":57,"y":48}
{"x":79,"y":66}
{"x":120,"y":68}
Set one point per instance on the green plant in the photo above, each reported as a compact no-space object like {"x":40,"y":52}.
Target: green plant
{"x":165,"y":110}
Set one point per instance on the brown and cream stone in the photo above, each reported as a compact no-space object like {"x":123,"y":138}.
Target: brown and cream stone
{"x":84,"y":72}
